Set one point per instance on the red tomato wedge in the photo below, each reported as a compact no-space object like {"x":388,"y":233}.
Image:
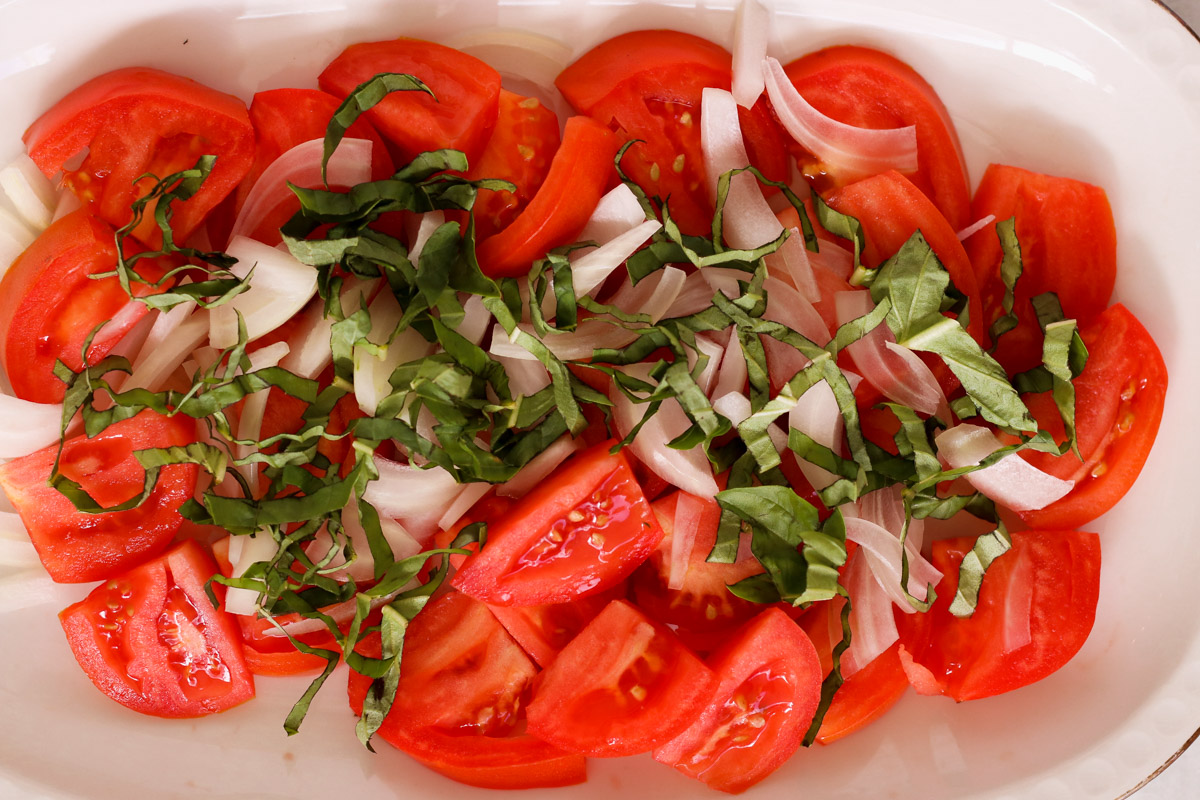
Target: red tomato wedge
{"x":151,"y":640}
{"x":703,"y":610}
{"x":459,"y":116}
{"x":76,"y":547}
{"x":579,"y":175}
{"x":1119,"y":401}
{"x":543,"y":631}
{"x":139,"y":120}
{"x":891,"y":208}
{"x":519,"y":151}
{"x":624,"y":685}
{"x":1036,"y":608}
{"x":867,"y":694}
{"x":49,"y":304}
{"x":770,"y":686}
{"x":1068,"y":246}
{"x":646,"y":86}
{"x":867,"y":88}
{"x":581,"y":531}
{"x":463,"y":682}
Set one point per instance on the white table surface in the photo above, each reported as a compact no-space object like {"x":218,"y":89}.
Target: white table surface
{"x":1181,"y":780}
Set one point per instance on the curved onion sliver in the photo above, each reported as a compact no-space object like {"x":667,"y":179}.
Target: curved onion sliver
{"x":882,"y":549}
{"x":871,"y":617}
{"x":1012,"y":481}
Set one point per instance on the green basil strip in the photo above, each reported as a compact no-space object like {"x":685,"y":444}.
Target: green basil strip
{"x":364,"y":97}
{"x":987,"y":549}
{"x":1010,"y":272}
{"x":915,"y":282}
{"x":833,"y":681}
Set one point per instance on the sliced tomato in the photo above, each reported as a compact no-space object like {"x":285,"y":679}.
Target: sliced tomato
{"x":519,"y":151}
{"x":1119,"y":401}
{"x":583,"y":530}
{"x":867,"y":88}
{"x":49,"y":304}
{"x":543,"y":631}
{"x":646,"y":86}
{"x":891,"y":208}
{"x":770,"y":686}
{"x":1068,"y":246}
{"x":282,"y":119}
{"x":1036,"y":608}
{"x":139,"y":120}
{"x":76,"y":547}
{"x":461,"y":113}
{"x":459,"y":704}
{"x":624,"y":685}
{"x":579,"y":175}
{"x":867,"y":694}
{"x":151,"y":640}
{"x":702,"y":610}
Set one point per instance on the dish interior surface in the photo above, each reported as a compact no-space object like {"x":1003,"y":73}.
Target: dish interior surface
{"x":1108,"y":93}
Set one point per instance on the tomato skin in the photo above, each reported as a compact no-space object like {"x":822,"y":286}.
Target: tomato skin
{"x":1119,"y":404}
{"x":139,"y":635}
{"x":624,"y":685}
{"x":580,"y":532}
{"x":1068,"y":246}
{"x":891,"y":208}
{"x":520,"y":151}
{"x":49,"y":305}
{"x":458,"y":670}
{"x":543,"y":631}
{"x":138,"y":120}
{"x":770,"y":686}
{"x":76,"y":547}
{"x":579,"y":175}
{"x":647,"y":85}
{"x":871,"y":89}
{"x":1053,"y":577}
{"x":467,"y":92}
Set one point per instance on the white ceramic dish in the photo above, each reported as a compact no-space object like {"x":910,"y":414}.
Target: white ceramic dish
{"x":1107,"y":92}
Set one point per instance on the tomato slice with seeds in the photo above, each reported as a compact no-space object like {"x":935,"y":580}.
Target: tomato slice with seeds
{"x":583,"y":530}
{"x":1119,"y":401}
{"x":460,"y":702}
{"x":151,"y":640}
{"x":770,"y":685}
{"x":624,"y":685}
{"x":136,"y":121}
{"x":543,"y":631}
{"x":76,"y":547}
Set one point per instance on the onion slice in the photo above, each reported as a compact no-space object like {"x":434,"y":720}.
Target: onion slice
{"x":688,"y":511}
{"x":1012,"y":481}
{"x":539,"y":467}
{"x":871,"y":617}
{"x":883,"y":551}
{"x":27,"y":426}
{"x":854,"y":152}
{"x":415,"y":497}
{"x":280,"y":286}
{"x":751,"y":29}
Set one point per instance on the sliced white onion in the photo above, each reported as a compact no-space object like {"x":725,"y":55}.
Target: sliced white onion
{"x":871,"y":617}
{"x":244,"y":552}
{"x":751,"y":29}
{"x":15,"y":237}
{"x":883,"y":551}
{"x":67,"y":202}
{"x":816,"y":413}
{"x":904,"y":380}
{"x":363,"y":568}
{"x":527,"y":62}
{"x":371,"y":372}
{"x":471,"y":494}
{"x":733,"y":406}
{"x":309,"y":351}
{"x":885,"y":507}
{"x":733,"y":373}
{"x":709,"y":345}
{"x":33,"y":587}
{"x":417,"y":498}
{"x":787,"y":306}
{"x":1018,"y":604}
{"x":475,"y":319}
{"x":971,"y":230}
{"x":1012,"y":481}
{"x":589,"y":269}
{"x":15,"y":548}
{"x":539,"y":467}
{"x":427,"y":223}
{"x":173,"y":337}
{"x":833,"y":257}
{"x":255,"y":406}
{"x":617,"y":212}
{"x":748,"y":220}
{"x":27,"y":427}
{"x":32,"y":195}
{"x":687,"y":469}
{"x":525,"y":376}
{"x":688,"y":511}
{"x":349,"y":165}
{"x":854,"y":152}
{"x":698,"y":290}
{"x":280,"y":286}
{"x":340,"y":614}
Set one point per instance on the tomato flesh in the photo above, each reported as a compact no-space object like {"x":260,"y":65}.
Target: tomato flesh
{"x":76,"y":547}
{"x":151,"y":640}
{"x":624,"y":685}
{"x":770,"y":685}
{"x":581,"y":532}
